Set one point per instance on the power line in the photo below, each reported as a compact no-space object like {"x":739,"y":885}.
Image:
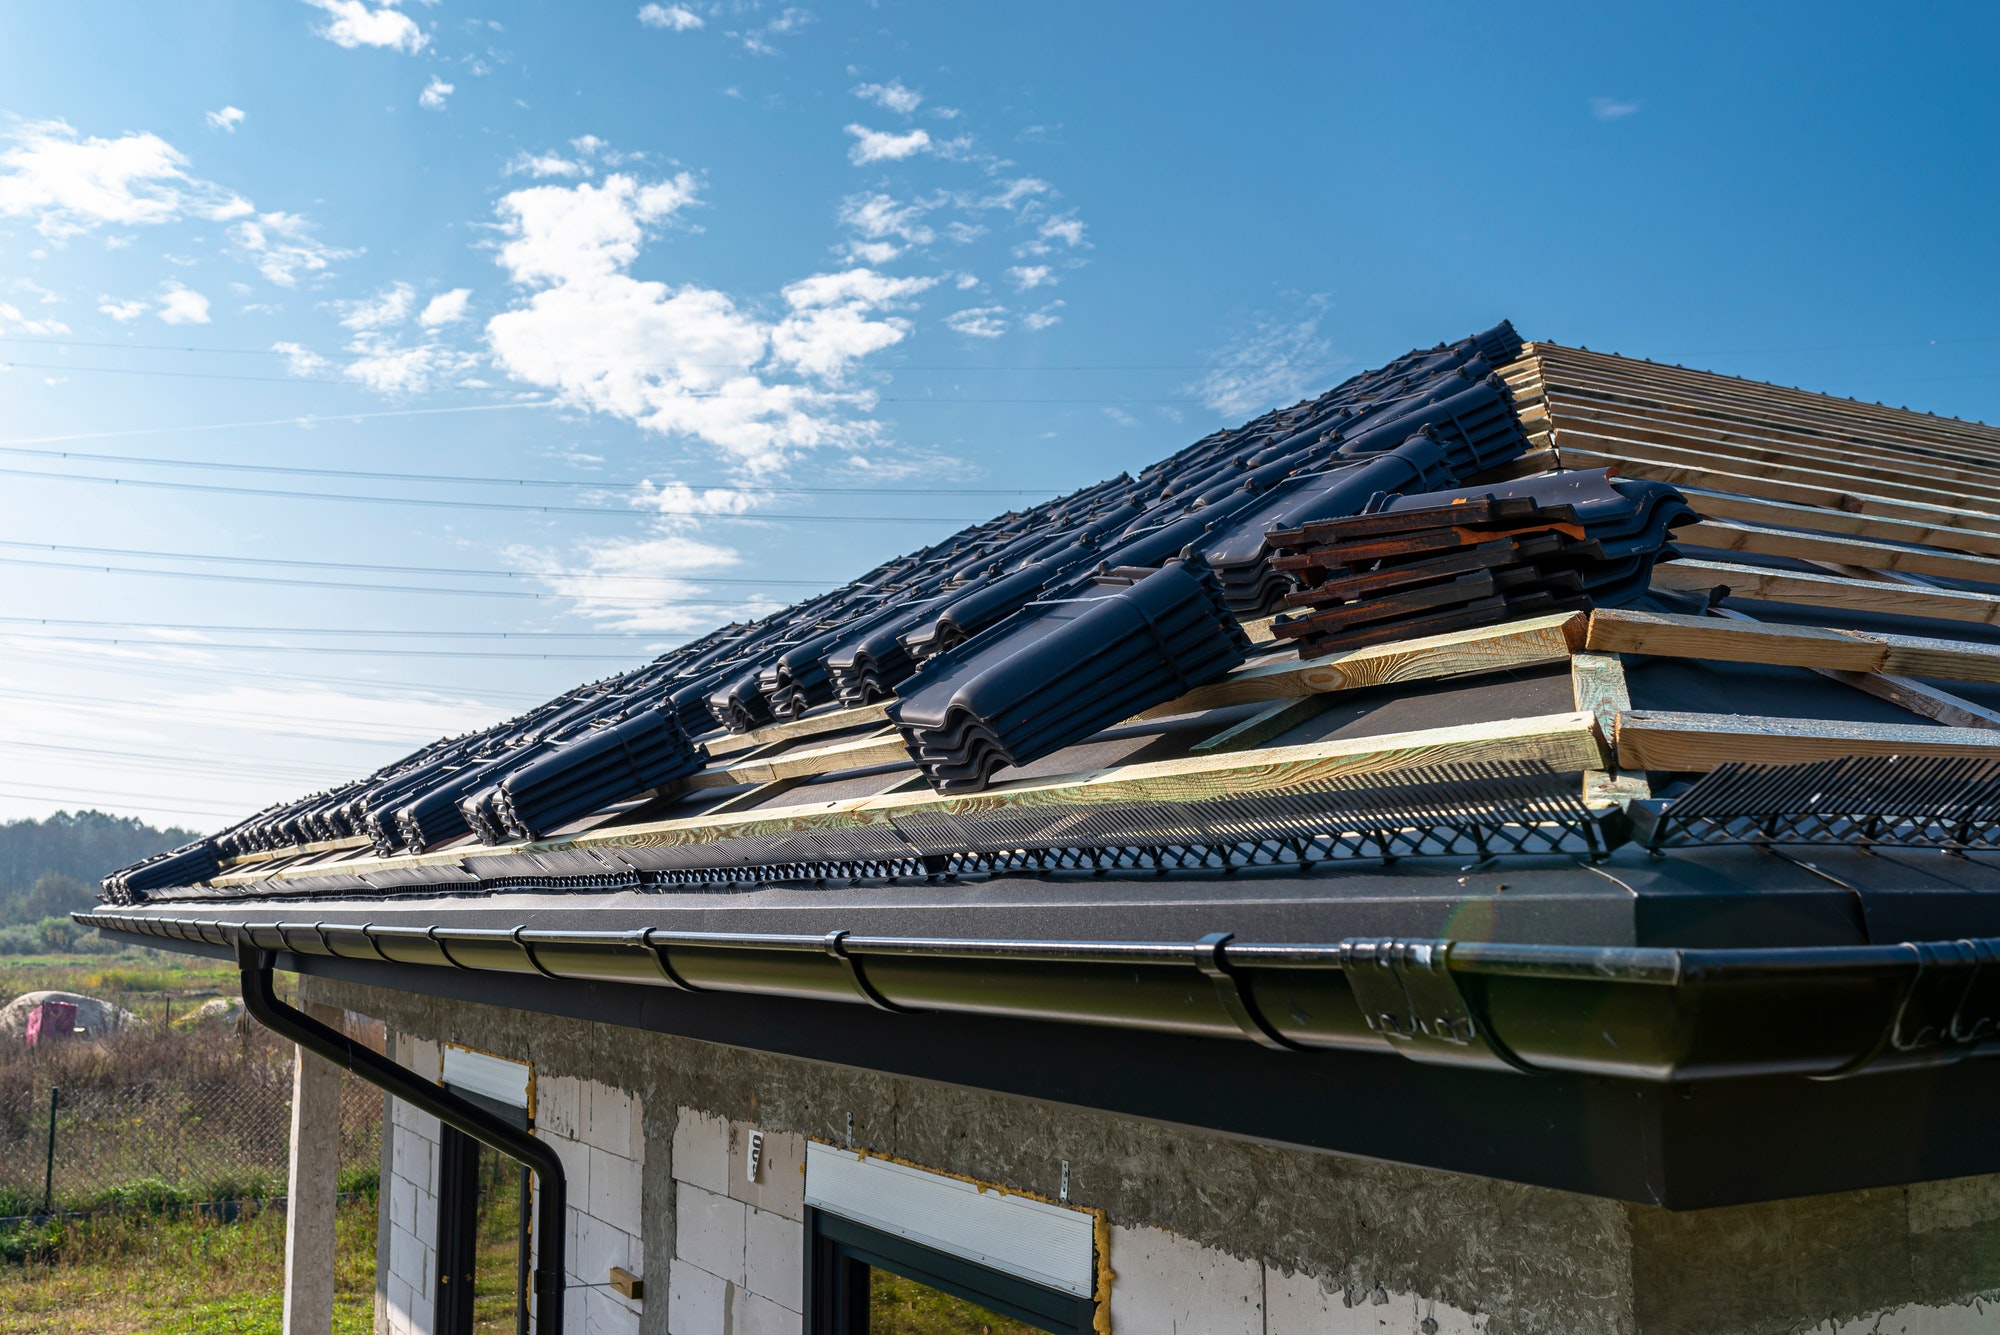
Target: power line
{"x":201,"y":674}
{"x":223,"y":766}
{"x":95,"y":794}
{"x":397,"y":570}
{"x":325,"y":630}
{"x":297,"y":419}
{"x":330,"y":649}
{"x":71,"y":797}
{"x":642,"y":366}
{"x":215,"y":576}
{"x":471,"y":479}
{"x":439,"y":503}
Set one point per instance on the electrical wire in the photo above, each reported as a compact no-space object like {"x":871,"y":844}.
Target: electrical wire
{"x":469,"y":654}
{"x":325,"y":630}
{"x":217,"y":576}
{"x":444,"y":503}
{"x":471,"y":479}
{"x":398,"y":570}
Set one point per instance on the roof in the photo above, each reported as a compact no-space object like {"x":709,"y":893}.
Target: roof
{"x":1529,"y":737}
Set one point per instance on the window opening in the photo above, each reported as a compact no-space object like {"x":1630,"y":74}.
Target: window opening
{"x":485,"y":1240}
{"x":862,"y":1281}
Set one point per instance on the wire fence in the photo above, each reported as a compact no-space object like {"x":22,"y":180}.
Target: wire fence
{"x":165,"y":1144}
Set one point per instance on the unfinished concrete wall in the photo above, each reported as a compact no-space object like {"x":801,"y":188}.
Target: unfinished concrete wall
{"x":1210,"y":1234}
{"x":597,"y":1131}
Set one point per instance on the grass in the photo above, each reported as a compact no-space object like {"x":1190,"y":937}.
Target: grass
{"x":901,"y":1306}
{"x":141,"y":980}
{"x":176,"y":1275}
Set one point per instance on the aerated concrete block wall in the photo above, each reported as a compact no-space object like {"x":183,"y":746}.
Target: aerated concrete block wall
{"x":410,"y":1199}
{"x":1208,"y":1235}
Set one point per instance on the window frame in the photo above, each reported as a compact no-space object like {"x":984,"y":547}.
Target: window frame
{"x":840,"y":1252}
{"x":457,"y":1239}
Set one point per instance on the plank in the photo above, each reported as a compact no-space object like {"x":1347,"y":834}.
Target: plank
{"x":1660,"y":740}
{"x":1735,"y":536}
{"x":1514,"y":644}
{"x":1663,"y":425}
{"x":880,"y":748}
{"x":1603,"y":788}
{"x":1839,"y":419}
{"x":261,"y":855}
{"x":1725,"y":504}
{"x":1801,"y":493}
{"x":1262,"y":726}
{"x":1917,"y":697}
{"x":1621,"y":630}
{"x":813,"y":725}
{"x":1597,"y":683}
{"x":754,"y":797}
{"x":1853,"y":595}
{"x":1871,"y":485}
{"x":1650,"y":386}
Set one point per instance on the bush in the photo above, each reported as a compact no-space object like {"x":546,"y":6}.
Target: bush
{"x":361,"y":1182}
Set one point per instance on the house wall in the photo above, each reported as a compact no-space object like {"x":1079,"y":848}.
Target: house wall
{"x":1207,"y":1234}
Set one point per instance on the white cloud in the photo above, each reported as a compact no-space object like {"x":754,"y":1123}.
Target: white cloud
{"x":965,"y":281}
{"x":281,"y":247}
{"x":632,"y":584}
{"x":1044,"y":317}
{"x":385,"y":310}
{"x":545,"y":164}
{"x":1274,"y":361}
{"x":672,"y":18}
{"x":70,"y":184}
{"x":301,"y":360}
{"x":1029,"y":276}
{"x":879,"y":146}
{"x":890,"y":96}
{"x":1612,"y":109}
{"x":680,"y":360}
{"x":11,"y":318}
{"x":879,"y":216}
{"x":874,"y":252}
{"x":388,"y":369}
{"x":226,"y":119}
{"x":353,"y":24}
{"x":829,"y":327}
{"x":978,"y":321}
{"x":124,"y":312}
{"x":434,"y":94}
{"x":445,"y":308}
{"x":182,"y":305}
{"x":1121,"y":417}
{"x":1067,"y":229}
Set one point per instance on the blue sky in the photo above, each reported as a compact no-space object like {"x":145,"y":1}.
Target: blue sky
{"x":685,"y":311}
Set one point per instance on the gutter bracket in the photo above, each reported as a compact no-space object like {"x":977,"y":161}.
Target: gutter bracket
{"x":260,"y":998}
{"x":1208,"y":957}
{"x":1406,"y":994}
{"x":836,"y":946}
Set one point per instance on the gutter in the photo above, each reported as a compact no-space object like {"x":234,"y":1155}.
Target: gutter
{"x":1665,"y":1016}
{"x":551,"y":1198}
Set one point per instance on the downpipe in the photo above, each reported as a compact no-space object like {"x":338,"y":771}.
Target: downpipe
{"x":551,"y":1196}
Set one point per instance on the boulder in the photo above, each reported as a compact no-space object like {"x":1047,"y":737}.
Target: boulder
{"x":93,"y":1016}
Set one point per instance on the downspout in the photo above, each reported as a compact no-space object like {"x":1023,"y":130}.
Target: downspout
{"x":551,"y":1200}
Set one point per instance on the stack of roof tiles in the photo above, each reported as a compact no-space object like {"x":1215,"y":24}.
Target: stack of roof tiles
{"x":1425,"y":420}
{"x":1130,"y":638}
{"x":1445,"y":561}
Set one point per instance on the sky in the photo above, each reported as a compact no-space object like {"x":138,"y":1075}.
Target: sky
{"x":371,"y":372}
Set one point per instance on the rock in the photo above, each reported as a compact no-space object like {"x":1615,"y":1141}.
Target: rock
{"x":94,"y":1017}
{"x":216,"y":1010}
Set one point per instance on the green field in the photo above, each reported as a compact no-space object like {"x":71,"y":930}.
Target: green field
{"x":120,"y":1275}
